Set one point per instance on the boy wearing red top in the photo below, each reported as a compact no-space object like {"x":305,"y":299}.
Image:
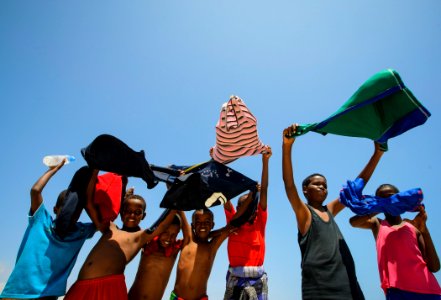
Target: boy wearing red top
{"x":246,"y":248}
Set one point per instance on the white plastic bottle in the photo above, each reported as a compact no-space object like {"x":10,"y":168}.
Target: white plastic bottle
{"x":54,"y":160}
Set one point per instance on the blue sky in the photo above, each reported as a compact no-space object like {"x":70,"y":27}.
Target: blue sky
{"x":155,"y":74}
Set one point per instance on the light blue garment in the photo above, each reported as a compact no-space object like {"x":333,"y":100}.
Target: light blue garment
{"x":44,"y":261}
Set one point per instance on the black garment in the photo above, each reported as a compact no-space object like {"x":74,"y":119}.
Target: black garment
{"x":168,"y":174}
{"x":190,"y":191}
{"x":328,"y":270}
{"x":74,"y":202}
{"x":108,"y":153}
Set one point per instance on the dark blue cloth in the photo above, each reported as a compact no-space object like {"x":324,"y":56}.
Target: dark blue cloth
{"x":74,"y":202}
{"x":395,"y":205}
{"x":190,"y":191}
{"x":108,"y":153}
{"x":168,"y":174}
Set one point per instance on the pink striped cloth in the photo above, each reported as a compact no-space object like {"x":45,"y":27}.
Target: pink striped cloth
{"x":236,"y":133}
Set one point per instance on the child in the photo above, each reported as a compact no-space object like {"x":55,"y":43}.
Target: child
{"x":102,"y":274}
{"x":328,"y":270}
{"x":197,"y":255}
{"x":406,"y":254}
{"x":157,"y":260}
{"x":45,"y":260}
{"x":246,"y":247}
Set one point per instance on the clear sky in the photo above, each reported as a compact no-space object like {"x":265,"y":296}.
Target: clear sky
{"x":155,"y":74}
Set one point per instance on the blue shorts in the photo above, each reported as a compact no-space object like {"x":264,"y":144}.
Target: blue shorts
{"x":397,"y":294}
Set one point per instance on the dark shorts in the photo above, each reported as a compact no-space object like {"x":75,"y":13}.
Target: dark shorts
{"x":397,"y":294}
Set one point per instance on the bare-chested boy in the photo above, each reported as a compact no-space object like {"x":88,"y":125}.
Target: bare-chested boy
{"x":102,"y":275}
{"x":197,"y":255}
{"x":157,"y":260}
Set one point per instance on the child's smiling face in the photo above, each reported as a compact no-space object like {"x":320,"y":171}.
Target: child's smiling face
{"x":168,"y":237}
{"x":133,"y":212}
{"x":202,"y":224}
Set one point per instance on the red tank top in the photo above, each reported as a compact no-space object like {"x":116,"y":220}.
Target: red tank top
{"x":247,"y":247}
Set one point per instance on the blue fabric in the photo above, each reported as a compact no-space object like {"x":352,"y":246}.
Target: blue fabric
{"x":44,"y":261}
{"x":351,"y":196}
{"x":396,"y":294}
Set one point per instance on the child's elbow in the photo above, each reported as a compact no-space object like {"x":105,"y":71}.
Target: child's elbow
{"x":434,"y":268}
{"x":353,"y":222}
{"x":35,"y":191}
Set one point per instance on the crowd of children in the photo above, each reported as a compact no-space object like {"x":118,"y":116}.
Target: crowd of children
{"x":406,"y":254}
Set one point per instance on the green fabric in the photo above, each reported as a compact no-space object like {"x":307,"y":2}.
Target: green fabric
{"x":375,"y":107}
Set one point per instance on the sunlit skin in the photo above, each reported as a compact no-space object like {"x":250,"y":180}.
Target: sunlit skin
{"x":202,"y":225}
{"x":316,"y":192}
{"x":133,"y":212}
{"x":154,"y":269}
{"x":168,"y":237}
{"x":197,"y":257}
{"x":115,"y":243}
{"x":116,"y":247}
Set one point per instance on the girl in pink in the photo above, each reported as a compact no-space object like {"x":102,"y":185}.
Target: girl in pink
{"x":405,"y":253}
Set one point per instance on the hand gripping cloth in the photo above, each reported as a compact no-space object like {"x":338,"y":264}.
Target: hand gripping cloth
{"x":395,"y":205}
{"x":236,"y":133}
{"x":382,"y":108}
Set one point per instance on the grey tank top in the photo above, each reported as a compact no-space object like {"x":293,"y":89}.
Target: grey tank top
{"x":328,"y":270}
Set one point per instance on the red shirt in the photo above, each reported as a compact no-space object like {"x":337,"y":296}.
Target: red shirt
{"x":246,"y":247}
{"x":154,"y":247}
{"x":108,"y":193}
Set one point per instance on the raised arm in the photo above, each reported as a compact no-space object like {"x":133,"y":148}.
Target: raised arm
{"x":366,"y":222}
{"x":186,"y":227}
{"x":91,"y":209}
{"x":37,"y":188}
{"x":264,"y":179}
{"x":158,"y":227}
{"x":336,"y":206}
{"x":425,"y":241}
{"x":228,"y":206}
{"x":220,"y":236}
{"x":303,"y":215}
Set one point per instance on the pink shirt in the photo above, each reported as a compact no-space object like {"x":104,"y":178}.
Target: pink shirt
{"x":247,"y":246}
{"x":400,"y":261}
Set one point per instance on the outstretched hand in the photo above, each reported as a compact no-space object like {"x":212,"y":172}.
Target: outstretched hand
{"x":420,"y":219}
{"x":266,"y":154}
{"x":59,"y":166}
{"x":288,"y":133}
{"x":378,"y":147}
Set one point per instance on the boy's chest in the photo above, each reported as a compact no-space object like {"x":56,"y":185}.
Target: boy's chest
{"x":196,"y":253}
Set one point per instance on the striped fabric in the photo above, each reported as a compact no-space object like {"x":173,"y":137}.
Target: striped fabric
{"x":236,"y":133}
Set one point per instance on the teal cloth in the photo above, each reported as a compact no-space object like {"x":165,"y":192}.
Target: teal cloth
{"x":382,"y":108}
